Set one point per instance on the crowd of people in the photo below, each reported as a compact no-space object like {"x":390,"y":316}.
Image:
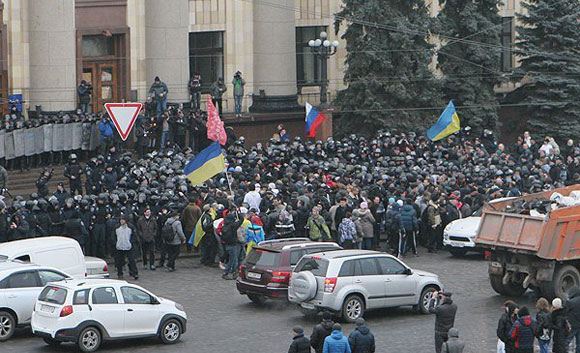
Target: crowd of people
{"x":555,"y":325}
{"x":391,"y":192}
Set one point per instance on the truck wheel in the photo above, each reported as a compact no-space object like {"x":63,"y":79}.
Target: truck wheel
{"x":496,"y":284}
{"x":510,"y":289}
{"x":565,"y":278}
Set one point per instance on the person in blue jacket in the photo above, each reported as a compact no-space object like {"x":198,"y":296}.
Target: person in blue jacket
{"x":336,"y":342}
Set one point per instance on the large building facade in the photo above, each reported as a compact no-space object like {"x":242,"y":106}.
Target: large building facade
{"x":48,"y":46}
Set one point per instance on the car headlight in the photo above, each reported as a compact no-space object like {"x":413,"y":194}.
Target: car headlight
{"x":179,"y":307}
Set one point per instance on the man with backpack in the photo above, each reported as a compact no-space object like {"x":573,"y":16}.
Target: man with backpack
{"x":523,"y":331}
{"x":231,"y":243}
{"x":173,"y":237}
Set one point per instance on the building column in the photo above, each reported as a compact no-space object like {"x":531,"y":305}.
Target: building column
{"x":52,"y":53}
{"x":274,"y":57}
{"x":167,"y":45}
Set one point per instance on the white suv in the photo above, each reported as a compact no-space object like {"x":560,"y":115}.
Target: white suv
{"x":348,"y":282}
{"x":87,"y":312}
{"x":20,"y":285}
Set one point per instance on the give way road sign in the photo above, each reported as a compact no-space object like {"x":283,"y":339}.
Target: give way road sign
{"x":123,"y":116}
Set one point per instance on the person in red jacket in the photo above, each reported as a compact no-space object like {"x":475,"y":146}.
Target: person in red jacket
{"x":524,"y":331}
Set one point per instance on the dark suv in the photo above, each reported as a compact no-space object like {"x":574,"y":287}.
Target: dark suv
{"x":266,"y":271}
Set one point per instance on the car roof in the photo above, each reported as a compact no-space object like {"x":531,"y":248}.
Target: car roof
{"x":88,"y":283}
{"x":10,"y":266}
{"x":291,"y":243}
{"x":346,"y":253}
{"x":16,"y":246}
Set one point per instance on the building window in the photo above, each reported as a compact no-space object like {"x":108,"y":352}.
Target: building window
{"x":206,"y":57}
{"x":96,"y":46}
{"x":507,"y":37}
{"x":308,"y":67}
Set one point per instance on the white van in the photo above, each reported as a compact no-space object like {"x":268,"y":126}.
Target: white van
{"x":62,"y":253}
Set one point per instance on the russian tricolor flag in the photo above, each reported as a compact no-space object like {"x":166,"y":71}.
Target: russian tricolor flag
{"x":314,"y":119}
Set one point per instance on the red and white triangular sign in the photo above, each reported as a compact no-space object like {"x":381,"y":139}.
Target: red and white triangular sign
{"x":123,"y":116}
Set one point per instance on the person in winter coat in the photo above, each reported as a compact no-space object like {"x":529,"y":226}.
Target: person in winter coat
{"x":321,"y":331}
{"x":173,"y":246}
{"x":361,"y":340}
{"x":347,"y":235}
{"x":75,"y":228}
{"x":126,"y":242}
{"x":560,"y":327}
{"x":254,"y":234}
{"x":147,"y":231}
{"x":317,"y":228}
{"x":232,"y":246}
{"x":300,"y":343}
{"x":573,"y":314}
{"x":544,"y":321}
{"x":19,"y":228}
{"x":336,"y":342}
{"x":433,"y":224}
{"x":453,"y":344}
{"x":523,"y":332}
{"x":365,"y":225}
{"x":217,"y":90}
{"x":190,"y":216}
{"x":505,"y":324}
{"x":238,"y":82}
{"x":445,"y":310}
{"x":410,"y":225}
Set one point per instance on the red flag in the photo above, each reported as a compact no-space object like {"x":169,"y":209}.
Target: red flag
{"x":215,"y":125}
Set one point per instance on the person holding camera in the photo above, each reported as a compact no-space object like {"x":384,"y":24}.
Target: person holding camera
{"x":158,"y":92}
{"x":445,"y":310}
{"x":217,"y":90}
{"x":195,"y":91}
{"x":238,"y":83}
{"x":84,"y":91}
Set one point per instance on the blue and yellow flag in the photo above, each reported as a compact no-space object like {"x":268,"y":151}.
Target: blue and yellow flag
{"x":447,"y":124}
{"x":205,"y":165}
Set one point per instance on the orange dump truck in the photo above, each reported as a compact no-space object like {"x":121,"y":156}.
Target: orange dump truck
{"x":531,"y":249}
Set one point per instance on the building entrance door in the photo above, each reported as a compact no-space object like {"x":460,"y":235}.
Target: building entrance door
{"x":103,"y":76}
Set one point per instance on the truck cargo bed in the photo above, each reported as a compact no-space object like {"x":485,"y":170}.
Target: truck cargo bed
{"x":555,"y":236}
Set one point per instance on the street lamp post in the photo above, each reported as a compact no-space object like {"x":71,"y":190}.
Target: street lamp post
{"x":323,"y":49}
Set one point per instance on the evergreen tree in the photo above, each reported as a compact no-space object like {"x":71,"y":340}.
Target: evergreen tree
{"x":471,"y":70}
{"x":549,"y":49}
{"x":387,"y":76}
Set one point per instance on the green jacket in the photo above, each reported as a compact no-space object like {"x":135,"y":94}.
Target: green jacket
{"x":318,"y":230}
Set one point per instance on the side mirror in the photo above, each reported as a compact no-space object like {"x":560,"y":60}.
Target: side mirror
{"x":154,"y":301}
{"x":408,"y":272}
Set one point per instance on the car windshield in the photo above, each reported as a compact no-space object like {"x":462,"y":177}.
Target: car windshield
{"x":264,"y":258}
{"x":313,"y":264}
{"x":55,"y":295}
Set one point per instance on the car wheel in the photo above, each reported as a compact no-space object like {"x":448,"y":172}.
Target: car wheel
{"x":353,"y":308}
{"x":89,"y":339}
{"x":7,"y":325}
{"x":425,"y":299}
{"x":457,"y":252}
{"x":257,"y":299}
{"x":51,"y":342}
{"x":171,"y":331}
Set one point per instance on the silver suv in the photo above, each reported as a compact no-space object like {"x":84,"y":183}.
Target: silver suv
{"x":348,"y":282}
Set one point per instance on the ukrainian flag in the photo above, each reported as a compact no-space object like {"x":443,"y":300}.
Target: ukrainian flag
{"x":205,"y":165}
{"x":447,"y":124}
